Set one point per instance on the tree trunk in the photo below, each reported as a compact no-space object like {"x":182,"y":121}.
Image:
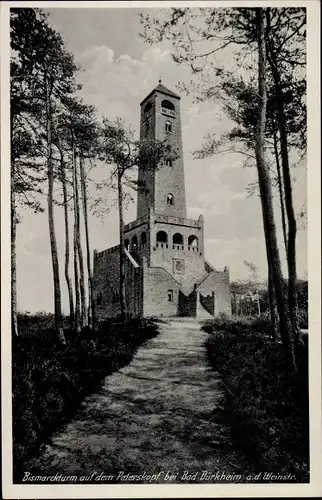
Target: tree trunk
{"x":122,"y":256}
{"x":288,"y":196}
{"x":67,"y":253}
{"x":267,"y":199}
{"x":272,"y":303}
{"x":51,"y":222}
{"x":80,"y":258}
{"x":280,"y":190}
{"x":14,"y":321}
{"x":77,"y":326}
{"x":88,"y":255}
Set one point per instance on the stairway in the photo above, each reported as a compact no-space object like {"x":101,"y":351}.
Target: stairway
{"x":202,"y":313}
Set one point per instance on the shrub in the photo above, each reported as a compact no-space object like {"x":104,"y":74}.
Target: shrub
{"x":238,"y":326}
{"x":303,"y":319}
{"x":50,"y":380}
{"x":268,"y":404}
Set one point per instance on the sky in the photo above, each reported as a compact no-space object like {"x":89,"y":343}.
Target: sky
{"x":118,"y":70}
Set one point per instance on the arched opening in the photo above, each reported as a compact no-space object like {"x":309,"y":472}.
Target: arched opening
{"x":167,"y":104}
{"x":168,"y":163}
{"x":134,"y":242}
{"x":170,"y":199}
{"x":177,"y":239}
{"x":162,"y":237}
{"x":148,"y":107}
{"x":168,"y":126}
{"x":127,"y":243}
{"x":170,"y":295}
{"x":193,"y":241}
{"x":143,"y":238}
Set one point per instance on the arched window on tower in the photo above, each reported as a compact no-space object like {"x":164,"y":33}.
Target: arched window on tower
{"x":168,"y":163}
{"x":167,"y":105}
{"x":177,"y":240}
{"x":134,"y":242}
{"x":143,"y":238}
{"x":148,"y":107}
{"x":170,"y":199}
{"x":162,"y":239}
{"x":168,"y":126}
{"x":193,"y":242}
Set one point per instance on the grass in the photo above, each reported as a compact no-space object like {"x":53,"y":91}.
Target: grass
{"x":267,"y":405}
{"x":51,"y":380}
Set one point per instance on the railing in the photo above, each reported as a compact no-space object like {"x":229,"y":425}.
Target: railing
{"x":135,"y":248}
{"x":160,"y":244}
{"x":112,"y":250}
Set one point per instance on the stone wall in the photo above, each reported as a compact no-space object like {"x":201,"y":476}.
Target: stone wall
{"x":107,"y":281}
{"x":218,"y":282}
{"x":157,"y":284}
{"x":167,"y":255}
{"x":187,"y":304}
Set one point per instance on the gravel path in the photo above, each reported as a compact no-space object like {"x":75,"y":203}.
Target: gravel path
{"x":156,"y":416}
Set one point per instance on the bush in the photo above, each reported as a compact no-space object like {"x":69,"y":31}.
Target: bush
{"x":268,"y":404}
{"x":50,"y":380}
{"x":252,"y":324}
{"x":303,"y":319}
{"x":237,"y":326}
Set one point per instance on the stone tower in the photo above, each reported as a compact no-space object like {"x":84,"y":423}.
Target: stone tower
{"x":160,"y":119}
{"x":166,"y":273}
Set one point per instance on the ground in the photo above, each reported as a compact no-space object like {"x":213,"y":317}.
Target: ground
{"x":157,"y":414}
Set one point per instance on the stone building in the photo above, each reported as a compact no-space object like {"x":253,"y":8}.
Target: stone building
{"x":166,"y":273}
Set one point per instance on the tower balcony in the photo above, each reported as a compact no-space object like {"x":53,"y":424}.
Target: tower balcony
{"x":179,"y":221}
{"x":177,"y":247}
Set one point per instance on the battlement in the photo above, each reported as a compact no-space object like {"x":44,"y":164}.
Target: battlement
{"x":178,"y":221}
{"x":108,"y":251}
{"x":136,"y":223}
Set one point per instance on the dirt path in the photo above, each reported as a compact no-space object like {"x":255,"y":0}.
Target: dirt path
{"x":155,"y":415}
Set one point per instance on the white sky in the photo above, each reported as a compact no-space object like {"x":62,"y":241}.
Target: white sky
{"x":119,"y":70}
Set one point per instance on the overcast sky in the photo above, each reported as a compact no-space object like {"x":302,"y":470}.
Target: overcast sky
{"x":119,"y":70}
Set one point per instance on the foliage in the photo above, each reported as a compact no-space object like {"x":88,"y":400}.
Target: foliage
{"x":50,"y":380}
{"x":120,"y":149}
{"x":236,"y":326}
{"x":268,"y":47}
{"x":268,"y":405}
{"x":241,"y":288}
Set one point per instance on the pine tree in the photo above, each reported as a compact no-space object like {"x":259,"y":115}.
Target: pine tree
{"x":53,"y":76}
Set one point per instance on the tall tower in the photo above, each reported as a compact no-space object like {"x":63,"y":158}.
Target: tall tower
{"x":165,"y":270}
{"x":165,"y":188}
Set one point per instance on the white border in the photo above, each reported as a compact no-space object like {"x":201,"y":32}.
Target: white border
{"x":314,"y":272}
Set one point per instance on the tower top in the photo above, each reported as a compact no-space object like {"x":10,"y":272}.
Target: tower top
{"x":161,"y":88}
